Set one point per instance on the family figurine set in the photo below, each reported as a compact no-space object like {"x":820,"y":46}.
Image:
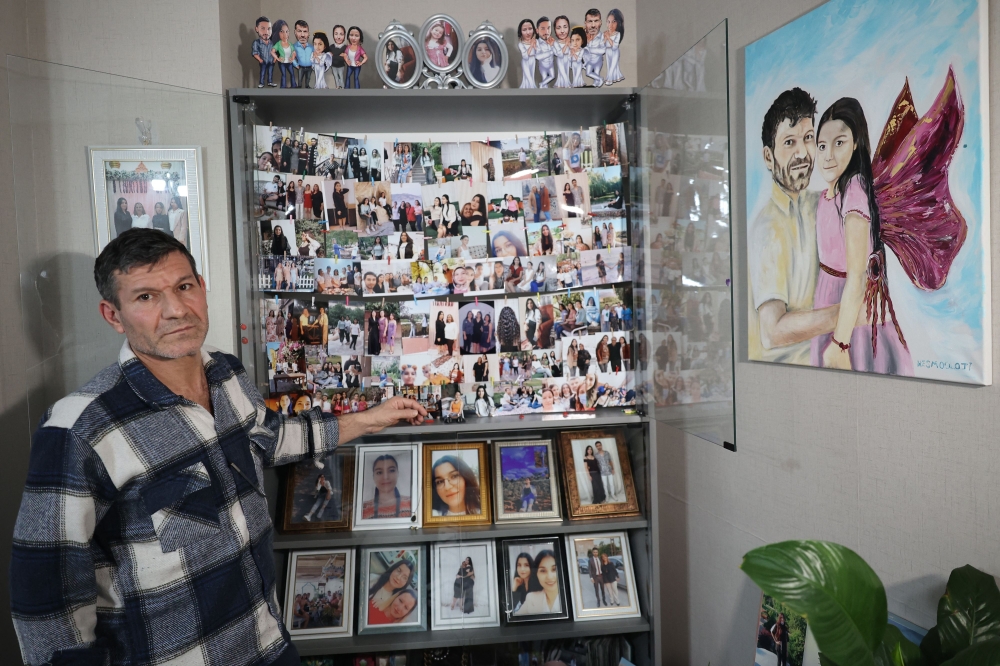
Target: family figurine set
{"x":301,"y":59}
{"x":564,"y":53}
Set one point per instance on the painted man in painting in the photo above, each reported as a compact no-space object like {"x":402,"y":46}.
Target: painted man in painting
{"x":782,"y":253}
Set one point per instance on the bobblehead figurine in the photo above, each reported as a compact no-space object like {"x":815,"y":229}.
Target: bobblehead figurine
{"x":545,"y":52}
{"x":527,"y":45}
{"x":596,"y":46}
{"x":303,"y":54}
{"x":354,"y":56}
{"x":283,"y":53}
{"x":262,"y":52}
{"x":321,"y":58}
{"x":613,"y":38}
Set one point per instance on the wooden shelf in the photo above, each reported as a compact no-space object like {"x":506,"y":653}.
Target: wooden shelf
{"x":529,"y":631}
{"x":432,"y":534}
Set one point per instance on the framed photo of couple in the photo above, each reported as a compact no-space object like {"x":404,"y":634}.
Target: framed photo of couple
{"x":602,"y":578}
{"x":597,"y":474}
{"x":526,"y":484}
{"x":394,"y":581}
{"x":319,"y":499}
{"x":318,"y":598}
{"x":387,"y":486}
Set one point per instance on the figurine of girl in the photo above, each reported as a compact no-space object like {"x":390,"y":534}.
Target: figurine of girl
{"x":526,"y":44}
{"x":562,"y":51}
{"x":283,"y":53}
{"x":321,"y":59}
{"x":613,"y":37}
{"x":577,"y":57}
{"x":438,"y":48}
{"x":354,"y":56}
{"x":336,"y":50}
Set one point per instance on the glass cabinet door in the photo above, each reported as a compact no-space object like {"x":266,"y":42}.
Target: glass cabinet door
{"x":681,"y":234}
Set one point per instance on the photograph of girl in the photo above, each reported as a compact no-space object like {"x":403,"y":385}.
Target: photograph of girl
{"x":393,"y":580}
{"x":440,"y":45}
{"x":535,"y":580}
{"x":464,"y":592}
{"x":524,"y":481}
{"x":456,"y":488}
{"x":384,"y":486}
{"x":485,"y":59}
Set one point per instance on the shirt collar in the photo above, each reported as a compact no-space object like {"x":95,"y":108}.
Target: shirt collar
{"x":781,"y":198}
{"x":150,"y":389}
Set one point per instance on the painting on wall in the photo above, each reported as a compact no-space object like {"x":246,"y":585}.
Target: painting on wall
{"x":867,"y":166}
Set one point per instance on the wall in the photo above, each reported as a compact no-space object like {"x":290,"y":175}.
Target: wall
{"x":904,"y":472}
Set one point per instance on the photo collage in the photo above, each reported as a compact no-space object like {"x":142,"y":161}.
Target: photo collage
{"x":488,"y":278}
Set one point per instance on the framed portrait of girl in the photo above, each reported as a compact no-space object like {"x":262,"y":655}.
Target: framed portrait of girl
{"x":534,"y":580}
{"x":463,"y":589}
{"x":319,"y":499}
{"x":526,"y":482}
{"x":456,"y":484}
{"x":442,"y":43}
{"x":318,"y":598}
{"x":392,"y":594}
{"x":387,"y":486}
{"x":597,"y":474}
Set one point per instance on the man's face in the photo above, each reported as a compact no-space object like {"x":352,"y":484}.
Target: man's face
{"x":163,"y":310}
{"x":593,"y":24}
{"x":264,"y":30}
{"x":301,"y":33}
{"x":544,"y":29}
{"x":791,"y":161}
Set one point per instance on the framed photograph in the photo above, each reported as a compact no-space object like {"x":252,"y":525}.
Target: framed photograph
{"x":597,"y":474}
{"x":319,"y":500}
{"x":485,"y":57}
{"x":387,"y":486}
{"x":456,"y":484}
{"x":442,"y":43}
{"x":318,"y":601}
{"x":602,"y":578}
{"x":154,"y":188}
{"x":464,"y":586}
{"x":526,"y":483}
{"x":534,"y":580}
{"x":398,"y":57}
{"x":393,"y":590}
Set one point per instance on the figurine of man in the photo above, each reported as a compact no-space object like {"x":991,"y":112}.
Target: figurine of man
{"x":303,"y":54}
{"x":545,"y":53}
{"x":596,"y":46}
{"x":262,"y":51}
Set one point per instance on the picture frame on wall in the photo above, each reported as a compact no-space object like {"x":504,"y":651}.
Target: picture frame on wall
{"x":387,"y":470}
{"x":456,"y":484}
{"x":597,"y":474}
{"x":534,"y":580}
{"x":463,"y":585}
{"x":156,"y":188}
{"x":602,"y":576}
{"x":526,"y":481}
{"x":319,"y":599}
{"x":319,"y":499}
{"x":393,"y":590}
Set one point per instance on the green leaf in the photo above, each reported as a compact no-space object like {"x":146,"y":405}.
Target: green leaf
{"x":969,"y":611}
{"x":896,"y":650}
{"x":930,"y":647}
{"x":840,"y":596}
{"x":825,"y":661}
{"x":982,"y":654}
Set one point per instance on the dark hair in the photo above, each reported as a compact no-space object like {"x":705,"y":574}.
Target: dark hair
{"x":276,"y":28}
{"x":472,"y":503}
{"x":342,"y":28}
{"x":792,"y":105}
{"x":533,"y":584}
{"x":542,"y":20}
{"x":262,"y":19}
{"x":578,"y":30}
{"x":395,"y":489}
{"x":620,"y":20}
{"x":556,"y":20}
{"x":518,"y":559}
{"x":593,"y":12}
{"x":521,"y":25}
{"x":302,"y":22}
{"x":321,"y":36}
{"x":131,"y":249}
{"x":361,"y":34}
{"x":476,"y":67}
{"x":384,"y":578}
{"x":848,"y":110}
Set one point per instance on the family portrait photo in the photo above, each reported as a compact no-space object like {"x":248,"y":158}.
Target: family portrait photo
{"x":394,"y":589}
{"x":527,"y":487}
{"x":464,"y":589}
{"x":535,"y":580}
{"x":319,"y":601}
{"x":386,"y":478}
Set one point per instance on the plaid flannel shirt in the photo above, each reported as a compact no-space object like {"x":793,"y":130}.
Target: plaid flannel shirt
{"x":143,"y":535}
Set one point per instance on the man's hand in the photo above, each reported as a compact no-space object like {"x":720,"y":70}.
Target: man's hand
{"x":376,"y":419}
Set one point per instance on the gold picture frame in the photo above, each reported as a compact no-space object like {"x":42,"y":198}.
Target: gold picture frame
{"x":580,"y":504}
{"x":436,"y":507}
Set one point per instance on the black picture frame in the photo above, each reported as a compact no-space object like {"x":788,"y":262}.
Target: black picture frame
{"x":533,"y":546}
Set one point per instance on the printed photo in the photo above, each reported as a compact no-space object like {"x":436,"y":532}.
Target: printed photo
{"x":608,"y":145}
{"x":535,"y":580}
{"x":393,"y":581}
{"x":336,"y":277}
{"x":536,"y":321}
{"x":406,"y":246}
{"x":386,"y":478}
{"x":508,"y":241}
{"x":363,"y":161}
{"x":487,"y":160}
{"x":456,"y":484}
{"x":574,"y":195}
{"x":597,"y":474}
{"x":414,"y":324}
{"x":472,"y":244}
{"x":340,"y":198}
{"x":374,"y":208}
{"x":383,"y":332}
{"x":137,"y":196}
{"x":319,"y":499}
{"x":464,"y":585}
{"x":577,"y":235}
{"x":609,"y":233}
{"x":457,"y":161}
{"x":381,"y":278}
{"x":445,"y":329}
{"x":544,"y":239}
{"x":541,"y":202}
{"x":577,"y":152}
{"x":386,"y":373}
{"x":524,"y":157}
{"x":319,"y":601}
{"x":441,"y":45}
{"x":602,"y":576}
{"x":406,"y":209}
{"x":607,"y":266}
{"x":606,"y":199}
{"x":509,"y":327}
{"x":481,"y":368}
{"x":526,"y":482}
{"x":477,"y":333}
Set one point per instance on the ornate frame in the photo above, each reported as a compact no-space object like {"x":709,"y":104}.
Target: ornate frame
{"x":346,"y":498}
{"x":555,"y":515}
{"x":619,"y":509}
{"x":397,"y":31}
{"x":487,"y":30}
{"x":485,"y":516}
{"x":459,"y":49}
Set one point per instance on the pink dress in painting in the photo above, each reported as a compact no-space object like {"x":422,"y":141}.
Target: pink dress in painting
{"x":892,"y":358}
{"x":436,"y":53}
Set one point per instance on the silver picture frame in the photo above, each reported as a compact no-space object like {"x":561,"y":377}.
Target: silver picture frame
{"x":100,"y":159}
{"x":577,"y":545}
{"x":502,"y":515}
{"x":397,"y":33}
{"x":489,"y":32}
{"x":459,"y":48}
{"x":418,"y":621}
{"x":365,"y":455}
{"x":316,"y":587}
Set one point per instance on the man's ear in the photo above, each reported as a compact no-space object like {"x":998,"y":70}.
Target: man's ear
{"x":768,"y":159}
{"x":111,"y":315}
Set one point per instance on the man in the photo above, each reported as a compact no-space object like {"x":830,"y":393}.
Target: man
{"x":593,"y":52}
{"x":578,"y":196}
{"x":545,"y":52}
{"x":261,"y":52}
{"x":371,"y":281}
{"x":143,"y":534}
{"x":596,"y":573}
{"x":303,"y":60}
{"x":607,"y":471}
{"x":783,"y":257}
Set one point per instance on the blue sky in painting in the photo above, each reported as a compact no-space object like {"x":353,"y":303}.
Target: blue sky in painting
{"x":866,"y":49}
{"x":518,"y":462}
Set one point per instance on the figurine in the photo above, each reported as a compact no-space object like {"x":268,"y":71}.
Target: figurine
{"x":578,"y":55}
{"x":545,"y":52}
{"x":283,"y":54}
{"x":561,"y":49}
{"x":321,"y":60}
{"x":303,"y":53}
{"x":354,"y":56}
{"x":596,"y":46}
{"x":262,"y":51}
{"x":613,"y":37}
{"x":337,"y":54}
{"x":526,"y":44}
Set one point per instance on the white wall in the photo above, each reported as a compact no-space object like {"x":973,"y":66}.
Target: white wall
{"x":902,"y":471}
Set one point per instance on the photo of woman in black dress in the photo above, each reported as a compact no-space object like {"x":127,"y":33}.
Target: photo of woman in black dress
{"x":465,"y":581}
{"x":594,"y":469}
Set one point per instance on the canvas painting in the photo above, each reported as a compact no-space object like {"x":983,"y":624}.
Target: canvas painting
{"x":867,"y":169}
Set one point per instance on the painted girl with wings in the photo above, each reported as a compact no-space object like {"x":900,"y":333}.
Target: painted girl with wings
{"x":897,"y":198}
